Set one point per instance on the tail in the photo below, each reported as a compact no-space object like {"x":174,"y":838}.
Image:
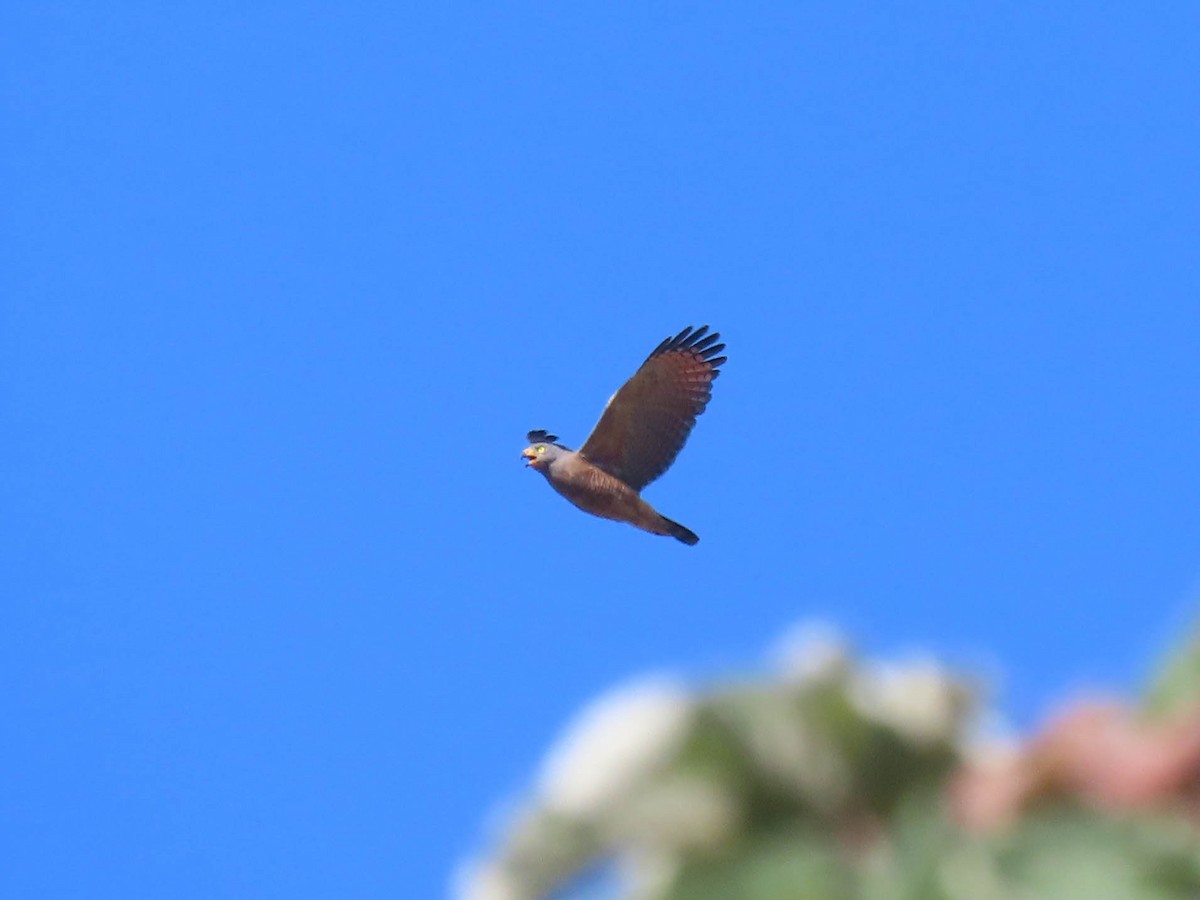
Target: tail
{"x":677,"y":531}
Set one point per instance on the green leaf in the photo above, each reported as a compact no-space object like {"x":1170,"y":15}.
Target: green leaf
{"x":1081,"y":855}
{"x":791,"y":865}
{"x":1177,"y":685}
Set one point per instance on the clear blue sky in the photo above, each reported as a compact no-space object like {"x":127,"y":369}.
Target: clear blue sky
{"x":283,"y":289}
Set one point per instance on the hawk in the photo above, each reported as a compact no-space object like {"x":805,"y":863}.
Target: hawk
{"x":640,"y":432}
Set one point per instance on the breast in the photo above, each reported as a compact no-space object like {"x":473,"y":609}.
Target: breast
{"x":594,"y":490}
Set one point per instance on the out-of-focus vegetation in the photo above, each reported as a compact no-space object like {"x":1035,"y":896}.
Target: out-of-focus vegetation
{"x":835,"y":778}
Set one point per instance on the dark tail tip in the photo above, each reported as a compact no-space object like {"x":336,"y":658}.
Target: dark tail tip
{"x":677,"y":531}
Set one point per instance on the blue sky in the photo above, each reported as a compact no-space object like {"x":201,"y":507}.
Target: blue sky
{"x":283,"y":289}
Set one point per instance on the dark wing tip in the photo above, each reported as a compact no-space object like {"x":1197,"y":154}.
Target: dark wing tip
{"x":698,"y":340}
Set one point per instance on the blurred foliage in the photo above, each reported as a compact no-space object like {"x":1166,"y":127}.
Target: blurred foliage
{"x":1177,"y":686}
{"x":835,"y":779}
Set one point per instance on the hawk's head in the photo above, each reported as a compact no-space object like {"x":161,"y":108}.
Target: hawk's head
{"x":542,"y":450}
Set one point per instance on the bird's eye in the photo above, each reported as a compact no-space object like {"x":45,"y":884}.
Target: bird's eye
{"x":541,"y":449}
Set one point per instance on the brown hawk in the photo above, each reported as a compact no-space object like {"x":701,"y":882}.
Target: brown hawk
{"x":640,"y":432}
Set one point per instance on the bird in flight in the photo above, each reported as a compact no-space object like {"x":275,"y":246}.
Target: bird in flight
{"x":640,"y":432}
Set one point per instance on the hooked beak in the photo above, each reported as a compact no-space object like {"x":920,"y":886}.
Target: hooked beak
{"x":529,"y":456}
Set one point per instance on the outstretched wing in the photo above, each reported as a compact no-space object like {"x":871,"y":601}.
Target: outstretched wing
{"x":647,"y":422}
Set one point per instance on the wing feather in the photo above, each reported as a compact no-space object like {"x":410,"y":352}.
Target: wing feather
{"x":647,"y":422}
